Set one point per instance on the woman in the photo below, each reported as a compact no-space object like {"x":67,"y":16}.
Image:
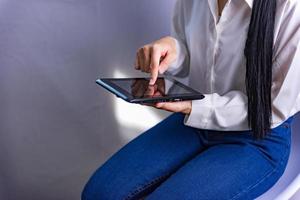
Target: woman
{"x":235,"y":143}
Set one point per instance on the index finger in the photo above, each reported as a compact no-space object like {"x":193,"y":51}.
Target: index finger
{"x":155,"y":57}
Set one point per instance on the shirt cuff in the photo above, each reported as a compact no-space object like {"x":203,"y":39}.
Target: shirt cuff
{"x":215,"y":112}
{"x":201,"y":113}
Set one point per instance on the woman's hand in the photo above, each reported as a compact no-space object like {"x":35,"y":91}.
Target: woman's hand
{"x":156,"y":57}
{"x":184,"y":107}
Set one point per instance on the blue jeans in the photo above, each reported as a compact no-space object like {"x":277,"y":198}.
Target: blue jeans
{"x":172,"y":161}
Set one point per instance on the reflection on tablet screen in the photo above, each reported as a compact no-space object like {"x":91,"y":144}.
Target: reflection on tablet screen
{"x":140,"y":87}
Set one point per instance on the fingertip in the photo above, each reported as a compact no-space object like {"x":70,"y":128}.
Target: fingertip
{"x":159,"y":104}
{"x":152,"y":81}
{"x":154,"y":76}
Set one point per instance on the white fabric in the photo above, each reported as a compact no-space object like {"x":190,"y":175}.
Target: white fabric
{"x":211,"y":56}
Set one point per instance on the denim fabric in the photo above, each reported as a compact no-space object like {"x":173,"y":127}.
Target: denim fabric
{"x":174,"y":161}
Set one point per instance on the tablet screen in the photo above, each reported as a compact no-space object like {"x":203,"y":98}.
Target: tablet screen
{"x":139,"y":87}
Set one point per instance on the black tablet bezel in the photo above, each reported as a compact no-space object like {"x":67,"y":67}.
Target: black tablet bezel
{"x":120,"y":92}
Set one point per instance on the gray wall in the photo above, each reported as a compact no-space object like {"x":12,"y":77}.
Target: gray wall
{"x":56,"y":125}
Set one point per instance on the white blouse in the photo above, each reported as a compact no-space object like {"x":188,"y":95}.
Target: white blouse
{"x":211,"y":60}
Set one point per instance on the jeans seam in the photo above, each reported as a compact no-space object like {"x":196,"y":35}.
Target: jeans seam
{"x":268,"y":174}
{"x":145,"y":186}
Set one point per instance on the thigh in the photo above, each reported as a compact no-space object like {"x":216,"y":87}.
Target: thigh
{"x":232,"y":170}
{"x":142,"y":164}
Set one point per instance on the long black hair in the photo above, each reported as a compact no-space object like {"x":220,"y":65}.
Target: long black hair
{"x":258,"y":53}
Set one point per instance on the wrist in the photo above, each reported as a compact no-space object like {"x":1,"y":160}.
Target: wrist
{"x":188,"y":109}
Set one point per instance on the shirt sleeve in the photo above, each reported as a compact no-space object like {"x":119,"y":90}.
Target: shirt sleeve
{"x":178,"y":34}
{"x":216,"y":112}
{"x":229,"y":111}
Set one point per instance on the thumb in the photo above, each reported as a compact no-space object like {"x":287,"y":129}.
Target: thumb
{"x":164,"y":65}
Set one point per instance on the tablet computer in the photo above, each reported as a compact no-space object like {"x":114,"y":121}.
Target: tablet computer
{"x":138,"y":90}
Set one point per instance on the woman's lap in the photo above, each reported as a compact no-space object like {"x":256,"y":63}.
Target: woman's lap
{"x":173,"y":161}
{"x":145,"y":161}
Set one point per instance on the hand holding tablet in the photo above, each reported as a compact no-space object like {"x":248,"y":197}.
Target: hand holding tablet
{"x":154,"y":58}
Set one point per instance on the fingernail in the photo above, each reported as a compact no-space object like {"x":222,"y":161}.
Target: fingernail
{"x":151,"y":82}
